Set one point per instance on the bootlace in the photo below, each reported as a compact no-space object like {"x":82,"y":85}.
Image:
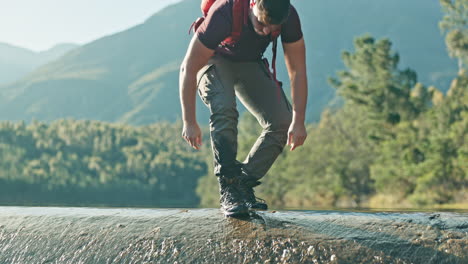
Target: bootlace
{"x":247,"y":187}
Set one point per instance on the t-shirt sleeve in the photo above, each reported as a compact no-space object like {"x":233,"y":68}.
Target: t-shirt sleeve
{"x":291,"y":30}
{"x":217,"y":25}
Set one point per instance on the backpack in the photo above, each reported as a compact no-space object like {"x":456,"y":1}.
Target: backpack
{"x":240,"y":15}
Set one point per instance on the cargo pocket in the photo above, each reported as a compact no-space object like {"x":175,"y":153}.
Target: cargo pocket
{"x":207,"y":80}
{"x":202,"y":72}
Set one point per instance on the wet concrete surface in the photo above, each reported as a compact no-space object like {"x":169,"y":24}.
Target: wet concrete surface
{"x":96,"y":235}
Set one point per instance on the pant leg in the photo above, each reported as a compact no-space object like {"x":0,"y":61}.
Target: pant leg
{"x":216,"y":89}
{"x":268,"y":103}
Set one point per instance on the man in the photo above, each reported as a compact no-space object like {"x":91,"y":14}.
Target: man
{"x":221,"y":72}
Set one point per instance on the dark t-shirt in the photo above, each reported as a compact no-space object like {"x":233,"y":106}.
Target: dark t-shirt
{"x":251,"y":46}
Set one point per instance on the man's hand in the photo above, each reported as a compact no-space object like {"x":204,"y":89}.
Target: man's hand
{"x":297,"y":134}
{"x":192,"y":134}
{"x":294,"y":55}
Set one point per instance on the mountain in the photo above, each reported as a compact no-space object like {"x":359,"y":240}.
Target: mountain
{"x":132,"y":76}
{"x":55,"y":52}
{"x":15,"y":62}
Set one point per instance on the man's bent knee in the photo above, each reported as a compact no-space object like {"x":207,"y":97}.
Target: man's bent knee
{"x":280,"y":124}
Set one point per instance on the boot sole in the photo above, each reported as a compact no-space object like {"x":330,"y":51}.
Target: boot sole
{"x":258,"y":209}
{"x":235,"y":213}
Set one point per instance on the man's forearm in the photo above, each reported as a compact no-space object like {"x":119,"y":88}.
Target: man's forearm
{"x":188,"y":90}
{"x":299,"y":96}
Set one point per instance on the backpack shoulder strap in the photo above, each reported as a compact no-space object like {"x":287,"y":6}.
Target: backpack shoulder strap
{"x":205,"y":8}
{"x":206,"y":5}
{"x":240,"y":14}
{"x":274,"y":38}
{"x":279,"y":84}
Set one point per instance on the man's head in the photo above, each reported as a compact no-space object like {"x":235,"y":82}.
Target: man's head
{"x":267,"y":15}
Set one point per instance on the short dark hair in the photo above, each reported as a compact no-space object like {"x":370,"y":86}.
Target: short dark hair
{"x":273,"y":12}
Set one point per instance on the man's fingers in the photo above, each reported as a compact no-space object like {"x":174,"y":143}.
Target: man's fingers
{"x":296,"y":142}
{"x":188,"y":140}
{"x":290,"y":138}
{"x":192,"y":135}
{"x":291,"y":141}
{"x":196,"y":145}
{"x":194,"y":142}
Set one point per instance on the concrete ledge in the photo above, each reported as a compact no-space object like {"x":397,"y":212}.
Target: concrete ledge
{"x":92,"y":235}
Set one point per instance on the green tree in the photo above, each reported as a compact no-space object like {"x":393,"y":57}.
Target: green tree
{"x":425,"y":162}
{"x":455,"y":25}
{"x":374,"y":83}
{"x":332,"y":169}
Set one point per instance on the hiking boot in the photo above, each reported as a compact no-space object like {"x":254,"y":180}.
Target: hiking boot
{"x":252,"y":202}
{"x":232,"y":202}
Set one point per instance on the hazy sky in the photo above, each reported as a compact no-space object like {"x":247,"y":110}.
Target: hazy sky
{"x":40,"y":24}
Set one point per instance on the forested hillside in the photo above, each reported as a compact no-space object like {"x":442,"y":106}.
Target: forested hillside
{"x":94,"y":163}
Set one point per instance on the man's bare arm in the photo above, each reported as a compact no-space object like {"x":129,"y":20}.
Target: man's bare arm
{"x":197,"y":56}
{"x":295,"y":58}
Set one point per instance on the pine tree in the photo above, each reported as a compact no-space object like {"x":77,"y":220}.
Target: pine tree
{"x":455,"y":24}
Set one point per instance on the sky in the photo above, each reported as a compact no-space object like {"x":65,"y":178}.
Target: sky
{"x":41,"y":24}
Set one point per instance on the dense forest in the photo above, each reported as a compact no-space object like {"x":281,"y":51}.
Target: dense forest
{"x":91,"y":162}
{"x":391,"y":141}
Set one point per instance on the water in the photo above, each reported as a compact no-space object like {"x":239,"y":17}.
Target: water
{"x":99,"y":235}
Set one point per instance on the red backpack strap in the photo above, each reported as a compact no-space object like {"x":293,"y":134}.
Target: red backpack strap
{"x":274,"y":38}
{"x":196,"y":24}
{"x":205,"y":7}
{"x":240,"y":14}
{"x":237,"y":19}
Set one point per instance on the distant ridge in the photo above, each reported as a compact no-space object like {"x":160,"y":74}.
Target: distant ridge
{"x":15,"y":62}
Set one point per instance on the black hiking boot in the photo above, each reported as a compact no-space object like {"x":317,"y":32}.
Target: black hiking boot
{"x":246,"y":187}
{"x":232,"y":202}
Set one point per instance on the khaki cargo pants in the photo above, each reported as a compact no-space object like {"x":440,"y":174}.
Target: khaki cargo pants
{"x":219,"y":82}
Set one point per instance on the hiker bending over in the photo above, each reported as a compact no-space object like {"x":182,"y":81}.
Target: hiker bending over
{"x":225,"y":60}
